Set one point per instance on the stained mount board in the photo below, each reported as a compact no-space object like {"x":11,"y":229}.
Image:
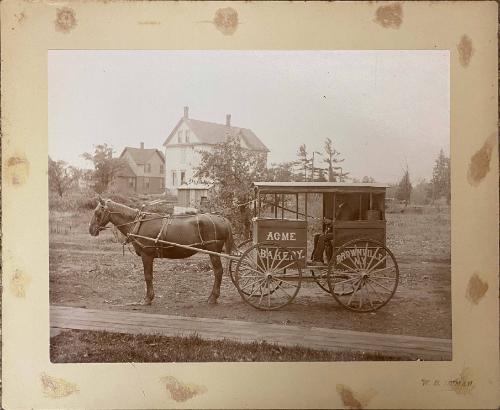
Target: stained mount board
{"x":466,"y":29}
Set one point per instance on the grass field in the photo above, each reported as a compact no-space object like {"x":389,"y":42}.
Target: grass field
{"x":105,"y":347}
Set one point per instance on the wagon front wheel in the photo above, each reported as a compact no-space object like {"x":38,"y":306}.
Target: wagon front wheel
{"x":268,"y":276}
{"x":363,"y":275}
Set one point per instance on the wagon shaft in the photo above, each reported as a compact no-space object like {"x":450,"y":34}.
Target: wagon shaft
{"x":191,"y":247}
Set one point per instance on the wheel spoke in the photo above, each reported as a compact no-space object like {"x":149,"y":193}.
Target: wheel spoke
{"x":253,"y":270}
{"x":366,"y":256}
{"x":261,"y":294}
{"x":264,"y":267}
{"x":360,"y":294}
{"x":268,"y":294}
{"x":252,"y":283}
{"x":379,"y":299}
{"x":383,"y":269}
{"x":378,"y":263}
{"x":353,"y":293}
{"x":288,"y":283}
{"x":348,"y":267}
{"x":373,"y":257}
{"x":368,"y":294}
{"x":253,"y":291}
{"x":347,"y":280}
{"x":382,"y":286}
{"x":283,"y":290}
{"x":287,"y":266}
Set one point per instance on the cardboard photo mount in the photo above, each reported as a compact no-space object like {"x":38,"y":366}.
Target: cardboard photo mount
{"x":467,"y":29}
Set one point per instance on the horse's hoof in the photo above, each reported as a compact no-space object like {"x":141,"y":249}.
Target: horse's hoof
{"x":212,"y":301}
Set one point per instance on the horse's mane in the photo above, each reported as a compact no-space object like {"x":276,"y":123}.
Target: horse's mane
{"x":127,"y":210}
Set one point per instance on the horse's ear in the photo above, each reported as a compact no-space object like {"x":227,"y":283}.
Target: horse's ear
{"x":101,"y":201}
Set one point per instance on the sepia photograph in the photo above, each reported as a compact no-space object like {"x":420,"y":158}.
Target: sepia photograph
{"x":249,"y":206}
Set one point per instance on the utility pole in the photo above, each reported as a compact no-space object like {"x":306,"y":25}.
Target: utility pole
{"x":312,"y":165}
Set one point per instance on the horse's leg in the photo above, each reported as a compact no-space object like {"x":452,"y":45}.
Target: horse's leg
{"x":217,"y":266}
{"x":147,"y":262}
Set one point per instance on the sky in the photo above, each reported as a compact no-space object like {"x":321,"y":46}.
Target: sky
{"x":383,"y":110}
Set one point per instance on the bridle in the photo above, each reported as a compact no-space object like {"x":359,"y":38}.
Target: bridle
{"x":106,"y":213}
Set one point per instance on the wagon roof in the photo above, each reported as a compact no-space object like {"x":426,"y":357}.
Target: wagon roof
{"x":319,"y":187}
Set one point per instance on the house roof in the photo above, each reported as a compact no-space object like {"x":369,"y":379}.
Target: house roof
{"x":212,"y":133}
{"x":142,"y":155}
{"x":126,"y":170}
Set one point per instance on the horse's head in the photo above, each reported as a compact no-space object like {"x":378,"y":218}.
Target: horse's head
{"x":100,"y":218}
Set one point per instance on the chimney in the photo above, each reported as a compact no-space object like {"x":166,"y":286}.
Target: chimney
{"x":186,"y":113}
{"x":142,"y":145}
{"x":228,"y":120}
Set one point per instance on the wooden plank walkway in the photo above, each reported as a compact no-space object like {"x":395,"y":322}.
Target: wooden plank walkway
{"x":424,"y":348}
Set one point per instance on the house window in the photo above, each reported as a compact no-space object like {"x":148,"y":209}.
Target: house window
{"x":162,"y":168}
{"x":131,"y":182}
{"x":187,"y":136}
{"x":146,"y":183}
{"x":163,"y":183}
{"x":183,"y":177}
{"x":183,"y":155}
{"x":179,"y":137}
{"x":174,"y":178}
{"x":147,"y":167}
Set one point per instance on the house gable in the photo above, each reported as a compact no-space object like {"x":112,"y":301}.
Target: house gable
{"x":210,"y":133}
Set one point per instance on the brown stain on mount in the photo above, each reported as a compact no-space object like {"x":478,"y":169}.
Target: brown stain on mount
{"x":17,"y":170}
{"x":65,"y":20}
{"x":180,"y":391}
{"x":464,"y":383}
{"x":19,"y":283}
{"x":20,"y":17}
{"x":226,"y":20}
{"x":465,"y":51}
{"x":476,"y":289}
{"x":479,"y":164}
{"x":354,"y":400}
{"x":55,"y":387}
{"x":389,"y":16}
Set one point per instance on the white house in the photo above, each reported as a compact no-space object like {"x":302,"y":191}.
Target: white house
{"x":191,"y":136}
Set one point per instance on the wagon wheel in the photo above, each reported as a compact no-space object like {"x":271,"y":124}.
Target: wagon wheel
{"x":240,"y":250}
{"x":363,"y":274}
{"x":320,"y":277}
{"x":268,"y":276}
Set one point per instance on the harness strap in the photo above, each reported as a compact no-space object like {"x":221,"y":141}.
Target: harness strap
{"x":215,"y":227}
{"x":199,"y":231}
{"x":165,"y":222}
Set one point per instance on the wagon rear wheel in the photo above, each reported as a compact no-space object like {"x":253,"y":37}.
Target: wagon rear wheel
{"x":363,"y":275}
{"x":320,"y":276}
{"x":268,"y":276}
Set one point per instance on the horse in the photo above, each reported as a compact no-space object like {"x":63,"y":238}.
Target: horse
{"x":210,"y":232}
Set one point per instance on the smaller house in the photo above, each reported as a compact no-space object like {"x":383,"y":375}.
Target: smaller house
{"x":143,"y":172}
{"x":192,"y":195}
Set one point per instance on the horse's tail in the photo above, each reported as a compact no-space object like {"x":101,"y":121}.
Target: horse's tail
{"x":229,"y":243}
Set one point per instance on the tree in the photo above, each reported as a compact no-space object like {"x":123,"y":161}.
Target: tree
{"x":440,"y":185}
{"x":282,"y":172}
{"x":231,"y":170}
{"x":367,"y":179}
{"x":106,"y":168}
{"x":304,"y":161}
{"x":403,"y":192}
{"x":61,"y":176}
{"x":332,"y":159}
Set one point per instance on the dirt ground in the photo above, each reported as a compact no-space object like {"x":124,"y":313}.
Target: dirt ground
{"x":95,"y":273}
